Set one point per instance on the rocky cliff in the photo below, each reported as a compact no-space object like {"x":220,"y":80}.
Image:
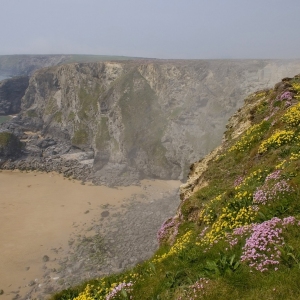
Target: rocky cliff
{"x":11,"y":92}
{"x":20,"y":65}
{"x":137,"y":119}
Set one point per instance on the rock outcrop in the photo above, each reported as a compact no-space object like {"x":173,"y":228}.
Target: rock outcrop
{"x":11,"y":92}
{"x":10,"y":146}
{"x":139,"y":119}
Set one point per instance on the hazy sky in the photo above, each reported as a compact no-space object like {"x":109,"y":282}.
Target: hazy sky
{"x":152,"y":28}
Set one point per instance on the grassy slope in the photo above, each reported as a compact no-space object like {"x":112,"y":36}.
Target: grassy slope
{"x":214,"y":250}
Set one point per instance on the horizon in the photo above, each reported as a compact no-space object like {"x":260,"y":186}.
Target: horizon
{"x":141,"y":57}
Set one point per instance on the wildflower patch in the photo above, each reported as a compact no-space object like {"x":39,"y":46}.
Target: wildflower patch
{"x":251,"y":136}
{"x":279,"y":138}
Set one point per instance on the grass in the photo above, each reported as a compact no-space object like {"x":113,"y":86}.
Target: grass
{"x":251,"y":201}
{"x":31,"y":113}
{"x":80,"y":137}
{"x":102,"y":137}
{"x":88,"y":98}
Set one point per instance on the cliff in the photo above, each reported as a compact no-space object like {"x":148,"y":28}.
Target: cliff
{"x":136,"y":119}
{"x":236,"y":233}
{"x":11,"y":92}
{"x":26,"y":65}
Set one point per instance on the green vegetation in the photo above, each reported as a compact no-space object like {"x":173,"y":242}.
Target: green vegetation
{"x":88,"y":99}
{"x":51,"y":107}
{"x":80,"y":137}
{"x":31,"y":113}
{"x":58,"y":117}
{"x":71,"y":116}
{"x":237,"y":237}
{"x":102,"y":136}
{"x":5,"y":138}
{"x":9,"y":145}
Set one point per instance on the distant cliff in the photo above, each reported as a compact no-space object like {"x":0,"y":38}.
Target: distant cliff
{"x":139,"y":119}
{"x":20,"y":65}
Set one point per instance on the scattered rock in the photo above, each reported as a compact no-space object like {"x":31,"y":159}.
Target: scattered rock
{"x":31,"y":283}
{"x":45,"y":258}
{"x":105,"y":214}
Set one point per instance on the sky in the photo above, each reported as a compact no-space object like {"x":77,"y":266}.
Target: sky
{"x":174,"y":29}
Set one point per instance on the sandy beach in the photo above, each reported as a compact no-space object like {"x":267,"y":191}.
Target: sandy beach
{"x":39,"y":213}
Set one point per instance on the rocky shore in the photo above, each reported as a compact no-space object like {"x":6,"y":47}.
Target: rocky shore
{"x":31,"y":151}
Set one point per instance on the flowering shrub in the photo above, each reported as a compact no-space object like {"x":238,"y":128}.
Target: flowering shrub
{"x":165,"y":227}
{"x":286,"y":96}
{"x":121,"y":288}
{"x":196,"y":290}
{"x":181,"y":244}
{"x":261,"y":248}
{"x":208,"y":215}
{"x":279,"y":138}
{"x":296,"y":87}
{"x":252,"y":178}
{"x":271,"y":189}
{"x":251,"y":136}
{"x":238,"y":181}
{"x":102,"y":292}
{"x":228,"y":220}
{"x":292,"y":116}
{"x":87,"y":294}
{"x":295,"y":156}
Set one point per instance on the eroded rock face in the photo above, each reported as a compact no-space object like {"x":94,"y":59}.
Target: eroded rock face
{"x":142,"y":119}
{"x":10,"y":146}
{"x":11,"y":92}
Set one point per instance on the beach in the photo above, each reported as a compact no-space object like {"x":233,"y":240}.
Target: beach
{"x":40,"y":212}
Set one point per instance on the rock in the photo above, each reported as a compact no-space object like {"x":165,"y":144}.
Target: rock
{"x":31,"y":283}
{"x":105,"y":214}
{"x":11,"y":92}
{"x":45,"y":258}
{"x":1,"y":292}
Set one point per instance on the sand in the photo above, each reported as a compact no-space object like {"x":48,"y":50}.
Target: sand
{"x":39,"y":212}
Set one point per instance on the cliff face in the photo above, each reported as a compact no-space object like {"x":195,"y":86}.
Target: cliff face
{"x":143,"y":119}
{"x":16,"y":65}
{"x":11,"y":92}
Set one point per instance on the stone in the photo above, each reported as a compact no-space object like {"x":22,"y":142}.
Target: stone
{"x":105,"y":214}
{"x":31,"y":283}
{"x":45,"y":258}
